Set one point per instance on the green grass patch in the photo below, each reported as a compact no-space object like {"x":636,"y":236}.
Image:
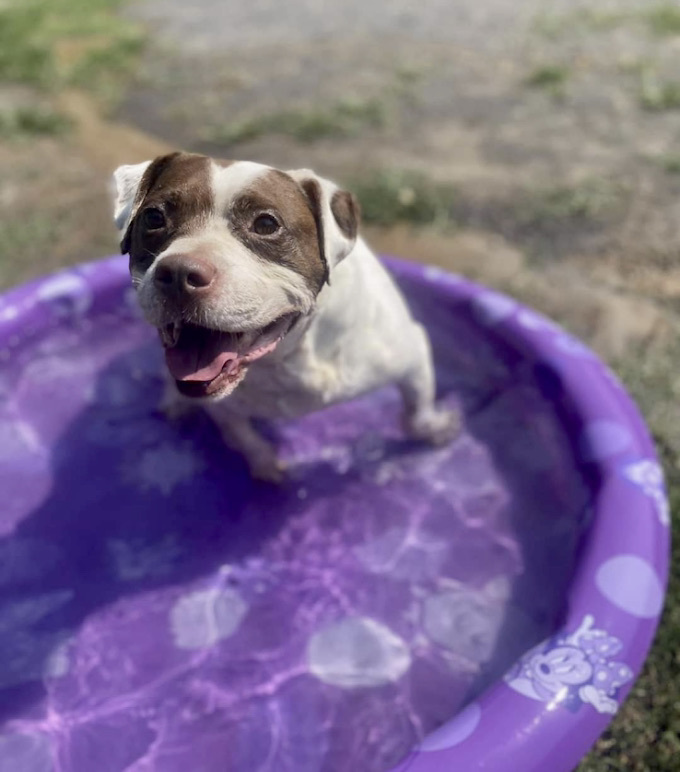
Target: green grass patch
{"x":52,"y":43}
{"x":389,"y":197}
{"x":548,"y":75}
{"x":31,"y":122}
{"x":409,"y":75}
{"x":657,"y":95}
{"x":599,"y":20}
{"x":670,"y":162}
{"x":342,"y":119}
{"x":551,"y":78}
{"x":408,"y":83}
{"x":24,"y":241}
{"x":553,"y":25}
{"x":591,"y":199}
{"x":104,"y":69}
{"x":663,"y":19}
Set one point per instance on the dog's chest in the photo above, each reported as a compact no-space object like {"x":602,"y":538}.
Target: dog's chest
{"x":300,"y":385}
{"x":347,"y":350}
{"x":309,"y":380}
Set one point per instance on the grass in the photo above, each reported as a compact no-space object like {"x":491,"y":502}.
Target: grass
{"x":548,"y":75}
{"x":31,"y":122}
{"x":102,"y":69}
{"x":552,"y":78}
{"x":408,"y":75}
{"x":388,"y":197}
{"x":408,"y":82}
{"x":392,"y":196}
{"x":656,"y":95}
{"x":552,"y":25}
{"x":344,"y":118}
{"x":341,"y":119}
{"x":663,"y":19}
{"x":670,"y":162}
{"x":24,"y":240}
{"x":48,"y":44}
{"x":590,"y":199}
{"x":599,"y":20}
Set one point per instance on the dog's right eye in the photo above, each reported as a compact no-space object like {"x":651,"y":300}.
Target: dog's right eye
{"x":265,"y":225}
{"x":153,"y":219}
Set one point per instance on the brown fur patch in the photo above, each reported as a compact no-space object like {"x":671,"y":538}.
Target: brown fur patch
{"x":345,"y":209}
{"x":179,"y":185}
{"x":312,"y":191}
{"x":297,"y":243}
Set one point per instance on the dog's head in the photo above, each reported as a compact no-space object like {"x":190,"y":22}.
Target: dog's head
{"x":226,"y":257}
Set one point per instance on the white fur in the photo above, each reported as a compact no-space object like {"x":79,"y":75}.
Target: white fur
{"x":126,"y":181}
{"x":229,"y":181}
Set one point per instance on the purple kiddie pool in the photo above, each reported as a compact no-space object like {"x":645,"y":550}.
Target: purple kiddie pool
{"x":484,"y":606}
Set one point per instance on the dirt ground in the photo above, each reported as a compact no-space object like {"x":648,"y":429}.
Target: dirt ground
{"x":548,"y":134}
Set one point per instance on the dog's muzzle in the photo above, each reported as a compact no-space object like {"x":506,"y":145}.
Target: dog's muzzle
{"x":183,"y":280}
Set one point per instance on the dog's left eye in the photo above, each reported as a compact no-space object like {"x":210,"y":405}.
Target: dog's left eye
{"x":265,"y":225}
{"x":153,"y":219}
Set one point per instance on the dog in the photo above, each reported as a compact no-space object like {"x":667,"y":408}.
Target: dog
{"x":267,"y":302}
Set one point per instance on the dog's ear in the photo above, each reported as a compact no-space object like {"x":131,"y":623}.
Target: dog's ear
{"x":336,"y":213}
{"x":125,"y":188}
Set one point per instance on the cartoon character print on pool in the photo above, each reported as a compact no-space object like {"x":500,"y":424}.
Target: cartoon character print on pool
{"x":573,"y":670}
{"x":647,"y":475}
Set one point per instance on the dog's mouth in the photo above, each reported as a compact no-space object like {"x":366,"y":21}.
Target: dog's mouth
{"x":206,"y":362}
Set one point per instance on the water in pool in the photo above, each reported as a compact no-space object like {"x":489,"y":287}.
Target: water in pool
{"x":160,"y":612}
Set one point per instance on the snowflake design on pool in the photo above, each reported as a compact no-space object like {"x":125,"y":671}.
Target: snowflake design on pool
{"x":163,"y":467}
{"x":648,"y":476}
{"x":573,"y":669}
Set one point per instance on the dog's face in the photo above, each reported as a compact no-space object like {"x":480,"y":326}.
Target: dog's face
{"x":226,"y":257}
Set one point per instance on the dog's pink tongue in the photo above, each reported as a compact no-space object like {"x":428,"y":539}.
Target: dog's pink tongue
{"x":200,"y":356}
{"x":186,"y":365}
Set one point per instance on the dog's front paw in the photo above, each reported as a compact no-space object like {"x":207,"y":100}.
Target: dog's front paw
{"x":269,"y":470}
{"x":437,"y":426}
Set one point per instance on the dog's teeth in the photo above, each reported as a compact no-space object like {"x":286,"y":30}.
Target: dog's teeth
{"x":170,"y":334}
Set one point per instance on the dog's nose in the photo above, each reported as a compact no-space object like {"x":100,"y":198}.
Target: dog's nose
{"x":184,"y":275}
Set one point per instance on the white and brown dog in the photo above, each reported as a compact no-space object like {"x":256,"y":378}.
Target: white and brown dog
{"x":255,"y":278}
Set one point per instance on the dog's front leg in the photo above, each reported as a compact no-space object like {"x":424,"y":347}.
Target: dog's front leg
{"x":240,"y":435}
{"x":424,"y":420}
